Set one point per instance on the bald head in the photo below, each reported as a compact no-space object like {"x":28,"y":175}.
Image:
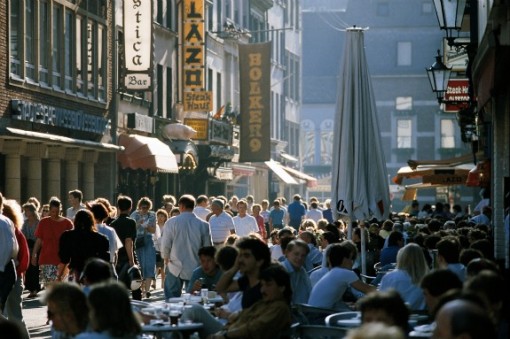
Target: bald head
{"x":462,"y":317}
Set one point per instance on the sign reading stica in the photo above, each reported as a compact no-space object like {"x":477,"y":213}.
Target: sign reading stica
{"x":138,"y":44}
{"x":193,"y":37}
{"x":457,"y":95}
{"x":197,"y":101}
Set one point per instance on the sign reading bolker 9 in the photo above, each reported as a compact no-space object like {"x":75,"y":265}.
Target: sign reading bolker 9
{"x":254,"y":72}
{"x":138,"y":44}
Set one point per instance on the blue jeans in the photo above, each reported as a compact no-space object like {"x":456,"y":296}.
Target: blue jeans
{"x":173,"y":285}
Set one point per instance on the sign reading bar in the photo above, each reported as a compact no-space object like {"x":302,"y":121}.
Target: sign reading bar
{"x":254,"y":72}
{"x":138,"y":44}
{"x":457,"y":95}
{"x":199,"y":125}
{"x":197,"y":101}
{"x":193,"y":37}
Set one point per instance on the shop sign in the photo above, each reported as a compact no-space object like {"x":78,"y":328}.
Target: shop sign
{"x":193,"y":37}
{"x":58,"y":117}
{"x":199,"y":125}
{"x":138,"y":44}
{"x":457,"y":95}
{"x":197,"y":101}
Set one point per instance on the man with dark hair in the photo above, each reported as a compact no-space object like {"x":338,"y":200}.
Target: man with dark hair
{"x":448,"y":253}
{"x":437,"y":283}
{"x":75,"y":198}
{"x":183,"y":236}
{"x":125,"y":227}
{"x":254,"y":256}
{"x":384,"y":306}
{"x":296,"y":212}
{"x":207,"y":274}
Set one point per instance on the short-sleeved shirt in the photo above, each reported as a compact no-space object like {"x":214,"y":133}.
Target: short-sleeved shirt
{"x":209,"y":282}
{"x":329,"y":290}
{"x":250,"y":294}
{"x":276,"y":217}
{"x":49,"y":231}
{"x":220,"y":227}
{"x":125,"y":228}
{"x":113,"y":239}
{"x":245,"y":225}
{"x":296,"y":213}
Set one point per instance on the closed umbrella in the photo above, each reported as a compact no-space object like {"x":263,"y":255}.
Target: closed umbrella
{"x":359,"y":178}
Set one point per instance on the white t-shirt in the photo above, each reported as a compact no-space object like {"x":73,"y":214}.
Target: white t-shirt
{"x":245,"y":225}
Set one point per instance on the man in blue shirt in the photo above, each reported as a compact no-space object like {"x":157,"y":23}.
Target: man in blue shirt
{"x":207,"y":274}
{"x":295,"y":256}
{"x":296,"y":212}
{"x":276,"y":217}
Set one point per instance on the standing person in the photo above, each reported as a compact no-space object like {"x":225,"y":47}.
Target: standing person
{"x":75,"y":198}
{"x":45,"y":211}
{"x":168,"y":203}
{"x":81,"y":243}
{"x":265,"y":214}
{"x":201,"y":209}
{"x":126,"y":230}
{"x":327,"y":213}
{"x":256,"y":208}
{"x":314,"y":213}
{"x":100,"y":213}
{"x":8,"y":251}
{"x":184,"y":235}
{"x":296,"y":211}
{"x":222,"y":224}
{"x":48,"y":235}
{"x":145,"y":249}
{"x":243,"y":222}
{"x":28,"y":229}
{"x":162,"y":217}
{"x":13,"y":306}
{"x":276,"y":216}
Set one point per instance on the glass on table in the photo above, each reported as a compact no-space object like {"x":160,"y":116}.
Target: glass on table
{"x":204,"y":294}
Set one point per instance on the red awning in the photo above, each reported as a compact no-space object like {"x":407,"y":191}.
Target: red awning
{"x":146,"y":153}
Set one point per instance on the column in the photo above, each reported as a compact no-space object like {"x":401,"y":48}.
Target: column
{"x":72,"y":156}
{"x":89,"y":160}
{"x":55,"y":155}
{"x":35,"y":152}
{"x":13,"y":150}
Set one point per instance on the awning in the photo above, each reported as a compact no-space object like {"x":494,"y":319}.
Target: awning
{"x":280,"y":172}
{"x":288,"y":157}
{"x":244,"y":170}
{"x":146,"y":153}
{"x":463,"y":159}
{"x":310,"y":181}
{"x":435,"y":174}
{"x":59,"y":140}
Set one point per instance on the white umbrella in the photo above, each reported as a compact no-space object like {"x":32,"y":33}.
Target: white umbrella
{"x":359,"y":178}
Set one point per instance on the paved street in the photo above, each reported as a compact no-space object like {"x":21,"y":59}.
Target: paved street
{"x":34,"y":312}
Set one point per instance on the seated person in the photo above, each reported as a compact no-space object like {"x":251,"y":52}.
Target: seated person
{"x":276,"y":249}
{"x":226,"y":258}
{"x":96,"y":270}
{"x":329,"y":290}
{"x":387,"y":307}
{"x":317,"y":274}
{"x":375,"y":330}
{"x":437,"y":283}
{"x":111,"y":315}
{"x":448,"y":255}
{"x":295,"y":256}
{"x":207,"y":274}
{"x":263,"y":319}
{"x":314,"y":257}
{"x":389,"y":253}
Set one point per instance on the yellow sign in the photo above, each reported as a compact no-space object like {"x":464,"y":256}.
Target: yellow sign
{"x":197,"y":101}
{"x":193,"y":49}
{"x":199,"y":125}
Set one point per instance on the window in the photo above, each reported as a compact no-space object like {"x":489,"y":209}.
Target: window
{"x":404,"y":133}
{"x":169,"y":86}
{"x":60,"y":46}
{"x":404,"y":103}
{"x":159,"y":90}
{"x":404,"y":54}
{"x":447,"y":133}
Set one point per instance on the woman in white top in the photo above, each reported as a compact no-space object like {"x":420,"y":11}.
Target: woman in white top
{"x":411,"y":268}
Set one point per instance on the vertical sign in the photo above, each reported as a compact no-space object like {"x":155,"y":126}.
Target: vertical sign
{"x":193,"y":38}
{"x":138,"y":44}
{"x":254,"y":74}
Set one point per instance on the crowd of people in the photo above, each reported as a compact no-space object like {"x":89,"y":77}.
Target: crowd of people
{"x":262,"y":258}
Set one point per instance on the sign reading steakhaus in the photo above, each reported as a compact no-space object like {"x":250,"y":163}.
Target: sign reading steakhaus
{"x":138,"y":44}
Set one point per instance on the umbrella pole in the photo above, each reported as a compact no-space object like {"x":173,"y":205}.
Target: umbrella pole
{"x":363,"y":249}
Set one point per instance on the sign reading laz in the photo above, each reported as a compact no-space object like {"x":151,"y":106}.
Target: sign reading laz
{"x":138,"y":44}
{"x":193,"y":37}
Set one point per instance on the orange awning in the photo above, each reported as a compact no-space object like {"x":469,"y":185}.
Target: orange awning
{"x":435,"y":174}
{"x":146,"y":153}
{"x":310,"y":181}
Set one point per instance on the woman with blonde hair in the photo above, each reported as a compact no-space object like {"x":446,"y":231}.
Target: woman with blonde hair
{"x":411,"y":268}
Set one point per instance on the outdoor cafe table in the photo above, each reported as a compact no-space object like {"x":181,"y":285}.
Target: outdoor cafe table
{"x":183,"y":330}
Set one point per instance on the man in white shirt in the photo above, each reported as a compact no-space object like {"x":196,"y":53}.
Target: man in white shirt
{"x":201,"y":209}
{"x":244,"y":223}
{"x":221,"y":223}
{"x":8,"y":250}
{"x":184,"y":235}
{"x":75,"y":198}
{"x":314,"y":213}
